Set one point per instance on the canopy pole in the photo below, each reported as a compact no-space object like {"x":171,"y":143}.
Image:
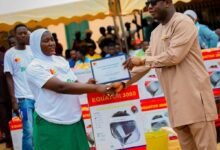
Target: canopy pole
{"x":116,"y":29}
{"x":117,"y":4}
{"x":116,"y":32}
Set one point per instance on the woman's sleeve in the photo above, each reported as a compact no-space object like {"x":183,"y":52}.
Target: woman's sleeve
{"x":38,"y":76}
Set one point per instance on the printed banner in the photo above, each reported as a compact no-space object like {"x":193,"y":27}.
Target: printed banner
{"x":117,"y":122}
{"x":120,"y":122}
{"x":154,"y":113}
{"x":149,"y":86}
{"x":131,"y":93}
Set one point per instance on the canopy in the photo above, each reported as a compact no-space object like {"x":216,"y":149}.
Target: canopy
{"x":45,"y":12}
{"x":127,"y":6}
{"x":42,"y":13}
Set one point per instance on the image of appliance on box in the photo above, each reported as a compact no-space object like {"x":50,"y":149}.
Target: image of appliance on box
{"x":215,"y":79}
{"x":158,"y":121}
{"x":124,"y":128}
{"x":154,"y":88}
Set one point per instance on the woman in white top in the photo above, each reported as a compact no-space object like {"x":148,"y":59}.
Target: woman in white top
{"x":58,"y":123}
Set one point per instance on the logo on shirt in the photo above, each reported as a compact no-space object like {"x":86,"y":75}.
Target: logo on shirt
{"x":69,"y":81}
{"x":53,"y":71}
{"x":17,"y":59}
{"x":23,"y":69}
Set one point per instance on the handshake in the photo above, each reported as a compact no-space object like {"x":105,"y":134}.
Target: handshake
{"x":109,"y":90}
{"x":114,"y":88}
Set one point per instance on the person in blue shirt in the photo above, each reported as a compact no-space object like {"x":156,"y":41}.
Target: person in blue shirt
{"x":111,"y":48}
{"x":73,"y":58}
{"x":82,"y":62}
{"x":207,"y":37}
{"x":217,"y":31}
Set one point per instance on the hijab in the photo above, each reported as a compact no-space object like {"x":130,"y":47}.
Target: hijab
{"x":35,"y":44}
{"x":191,"y":13}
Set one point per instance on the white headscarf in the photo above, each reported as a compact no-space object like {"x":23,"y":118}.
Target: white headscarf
{"x":55,"y":61}
{"x":191,"y":13}
{"x":35,"y":44}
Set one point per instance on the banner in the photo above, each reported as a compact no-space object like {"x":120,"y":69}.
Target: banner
{"x":212,"y":62}
{"x":117,"y":120}
{"x":121,"y":122}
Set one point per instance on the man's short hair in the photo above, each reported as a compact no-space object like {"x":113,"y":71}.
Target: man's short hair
{"x":18,"y":26}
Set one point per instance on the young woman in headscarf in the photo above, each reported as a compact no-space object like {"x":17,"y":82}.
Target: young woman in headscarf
{"x":58,"y":119}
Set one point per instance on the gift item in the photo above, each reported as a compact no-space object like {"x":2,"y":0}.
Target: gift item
{"x":16,"y":132}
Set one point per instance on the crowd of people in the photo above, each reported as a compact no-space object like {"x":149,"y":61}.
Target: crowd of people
{"x":85,"y":50}
{"x":38,"y":84}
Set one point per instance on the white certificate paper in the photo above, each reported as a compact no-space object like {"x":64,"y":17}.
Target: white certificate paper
{"x":109,"y":70}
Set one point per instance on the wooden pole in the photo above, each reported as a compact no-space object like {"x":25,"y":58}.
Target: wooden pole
{"x":117,"y":4}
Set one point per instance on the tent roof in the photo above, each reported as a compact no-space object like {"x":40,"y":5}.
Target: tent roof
{"x":45,"y":12}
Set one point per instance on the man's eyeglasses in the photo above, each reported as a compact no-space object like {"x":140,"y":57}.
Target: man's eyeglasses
{"x":152,"y":2}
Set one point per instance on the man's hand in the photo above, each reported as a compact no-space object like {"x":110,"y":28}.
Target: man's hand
{"x":118,"y":86}
{"x":132,"y":62}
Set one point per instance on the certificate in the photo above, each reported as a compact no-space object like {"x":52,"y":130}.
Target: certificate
{"x":109,"y":70}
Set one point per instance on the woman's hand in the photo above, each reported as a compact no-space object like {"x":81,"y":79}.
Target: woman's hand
{"x":15,"y":108}
{"x":91,"y":81}
{"x":106,"y":89}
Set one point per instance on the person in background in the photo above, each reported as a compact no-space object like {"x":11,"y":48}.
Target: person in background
{"x":177,"y":60}
{"x":129,"y":35}
{"x":2,"y":48}
{"x":118,"y":49}
{"x":91,"y":54}
{"x":110,"y":48}
{"x":110,"y":34}
{"x":207,"y":37}
{"x":149,"y":24}
{"x":138,"y":49}
{"x":5,"y":105}
{"x":217,"y":31}
{"x":102,"y":31}
{"x":70,"y":56}
{"x":145,"y":45}
{"x":100,"y":42}
{"x":77,"y":41}
{"x":59,"y":47}
{"x":82,"y":62}
{"x":88,"y":40}
{"x":11,"y":41}
{"x":73,"y":58}
{"x":28,"y":38}
{"x":16,"y":60}
{"x":58,"y":117}
{"x":67,"y":54}
{"x":137,"y":44}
